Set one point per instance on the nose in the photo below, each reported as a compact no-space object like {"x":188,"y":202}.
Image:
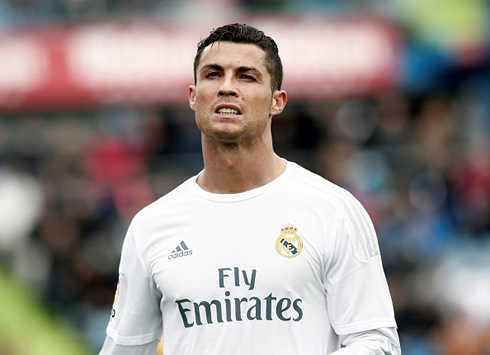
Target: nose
{"x":227,"y":87}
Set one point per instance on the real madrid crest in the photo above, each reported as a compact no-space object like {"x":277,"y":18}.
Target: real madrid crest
{"x":289,"y":244}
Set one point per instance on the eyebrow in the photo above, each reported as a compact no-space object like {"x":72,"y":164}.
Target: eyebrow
{"x":211,"y":66}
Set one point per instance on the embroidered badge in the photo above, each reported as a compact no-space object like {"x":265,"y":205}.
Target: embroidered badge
{"x":115,"y":305}
{"x":289,"y":244}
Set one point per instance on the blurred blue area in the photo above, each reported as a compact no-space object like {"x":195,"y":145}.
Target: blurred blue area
{"x":424,"y":69}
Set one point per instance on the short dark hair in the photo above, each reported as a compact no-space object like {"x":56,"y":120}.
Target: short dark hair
{"x":242,"y":33}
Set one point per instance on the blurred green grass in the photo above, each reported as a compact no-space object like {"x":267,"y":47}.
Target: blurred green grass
{"x":26,"y":327}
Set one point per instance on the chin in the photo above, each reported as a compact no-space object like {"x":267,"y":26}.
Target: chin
{"x":226,"y":139}
{"x":225,"y":135}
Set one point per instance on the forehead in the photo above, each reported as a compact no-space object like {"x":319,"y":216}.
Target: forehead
{"x":233,"y":54}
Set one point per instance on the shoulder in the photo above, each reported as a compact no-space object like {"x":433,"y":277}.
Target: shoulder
{"x":166,"y":203}
{"x":356,"y":223}
{"x":321,"y":189}
{"x":353,"y":224}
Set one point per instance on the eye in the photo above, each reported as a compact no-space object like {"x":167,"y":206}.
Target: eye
{"x":247,"y":77}
{"x":212,"y":74}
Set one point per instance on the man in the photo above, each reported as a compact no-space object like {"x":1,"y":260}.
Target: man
{"x":255,"y":255}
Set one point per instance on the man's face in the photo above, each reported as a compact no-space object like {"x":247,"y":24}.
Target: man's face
{"x":232,"y":97}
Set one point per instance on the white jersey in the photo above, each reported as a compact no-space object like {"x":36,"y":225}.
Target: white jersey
{"x":282,"y":269}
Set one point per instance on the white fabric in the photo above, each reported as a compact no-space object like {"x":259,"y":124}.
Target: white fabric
{"x":382,"y":341}
{"x":216,"y":273}
{"x":110,"y":347}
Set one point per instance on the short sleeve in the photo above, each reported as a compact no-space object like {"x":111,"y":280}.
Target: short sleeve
{"x":136,"y":317}
{"x":111,"y":348}
{"x":358,"y":296}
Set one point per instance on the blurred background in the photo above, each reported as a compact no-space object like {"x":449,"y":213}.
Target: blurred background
{"x":389,"y":99}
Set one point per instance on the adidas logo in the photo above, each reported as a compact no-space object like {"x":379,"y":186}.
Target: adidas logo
{"x":180,"y":251}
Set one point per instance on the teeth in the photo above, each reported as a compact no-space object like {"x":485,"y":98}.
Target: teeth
{"x":228,"y":111}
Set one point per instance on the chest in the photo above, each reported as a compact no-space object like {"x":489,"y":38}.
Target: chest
{"x":237,"y":253}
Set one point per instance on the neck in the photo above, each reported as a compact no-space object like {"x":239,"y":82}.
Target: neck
{"x":232,"y":168}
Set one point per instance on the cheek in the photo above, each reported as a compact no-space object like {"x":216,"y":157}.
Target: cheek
{"x":266,"y":106}
{"x":199,"y":119}
{"x":200,"y":102}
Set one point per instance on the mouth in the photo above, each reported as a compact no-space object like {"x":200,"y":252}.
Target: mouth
{"x":228,"y":111}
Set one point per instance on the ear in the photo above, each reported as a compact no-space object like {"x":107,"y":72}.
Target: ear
{"x":279,"y":100}
{"x":192,"y":97}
